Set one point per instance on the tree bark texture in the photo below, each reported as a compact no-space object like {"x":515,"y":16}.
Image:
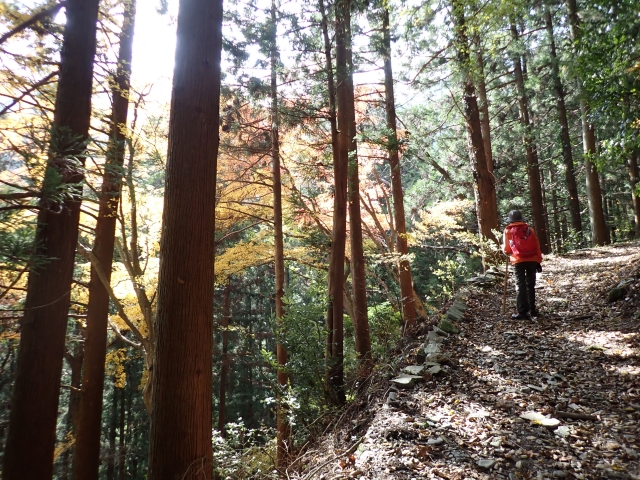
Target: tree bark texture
{"x":32,"y":425}
{"x":633,"y":180}
{"x":335,"y":319}
{"x":599,"y":230}
{"x":567,"y":154}
{"x":554,"y":204}
{"x":603,"y":190}
{"x":485,"y":119}
{"x":181,"y":416}
{"x":113,"y":425}
{"x":75,"y":361}
{"x":121,"y":440}
{"x":336,"y":249}
{"x":87,"y":452}
{"x":402,"y":248}
{"x":283,"y":427}
{"x":484,"y":188}
{"x":533,"y":169}
{"x":224,"y":327}
{"x":358,"y":278}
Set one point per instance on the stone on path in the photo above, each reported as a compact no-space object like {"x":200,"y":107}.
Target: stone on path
{"x":483,"y":280}
{"x":486,"y":463}
{"x":406,"y":381}
{"x":455,"y":315}
{"x":435,"y":441}
{"x":620,"y":290}
{"x":448,"y":326}
{"x":414,"y":369}
{"x":440,"y":332}
{"x":431,"y":348}
{"x":536,"y":388}
{"x":433,"y":337}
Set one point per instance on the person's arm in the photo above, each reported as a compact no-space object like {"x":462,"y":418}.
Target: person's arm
{"x":506,"y":248}
{"x":533,"y":232}
{"x":539,"y":266}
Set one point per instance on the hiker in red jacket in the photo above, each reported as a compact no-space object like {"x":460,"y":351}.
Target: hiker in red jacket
{"x":521,"y":243}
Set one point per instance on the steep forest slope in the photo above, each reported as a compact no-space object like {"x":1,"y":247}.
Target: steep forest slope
{"x":574,"y":374}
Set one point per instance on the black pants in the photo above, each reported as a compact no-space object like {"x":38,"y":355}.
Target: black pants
{"x":525,"y":286}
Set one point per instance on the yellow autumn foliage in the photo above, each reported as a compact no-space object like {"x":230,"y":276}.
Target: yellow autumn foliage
{"x":114,"y":365}
{"x":444,"y":221}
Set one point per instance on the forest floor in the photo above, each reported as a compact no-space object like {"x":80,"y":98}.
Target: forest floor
{"x":581,"y":358}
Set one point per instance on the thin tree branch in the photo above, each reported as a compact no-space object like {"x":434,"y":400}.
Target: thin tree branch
{"x":35,"y":86}
{"x":95,"y":263}
{"x":38,"y":17}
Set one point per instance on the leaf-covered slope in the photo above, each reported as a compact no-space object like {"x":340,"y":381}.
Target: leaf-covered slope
{"x":577,"y":368}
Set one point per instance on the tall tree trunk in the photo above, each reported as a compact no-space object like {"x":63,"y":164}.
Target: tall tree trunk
{"x":633,"y":180}
{"x":87,"y":453}
{"x":533,"y":169}
{"x":603,"y":189}
{"x":402,"y":248}
{"x":121,"y":446}
{"x":113,"y":427}
{"x":335,"y":319}
{"x":484,"y":188}
{"x":358,"y":277}
{"x":130,"y":427}
{"x":554,"y":205}
{"x":485,"y":119}
{"x":545,"y":210}
{"x":224,"y":327}
{"x":599,"y":230}
{"x":181,"y":416}
{"x":283,"y":427}
{"x":34,"y":406}
{"x":75,"y":361}
{"x":567,"y":154}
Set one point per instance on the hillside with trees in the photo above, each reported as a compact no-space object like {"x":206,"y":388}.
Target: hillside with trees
{"x":220,"y":278}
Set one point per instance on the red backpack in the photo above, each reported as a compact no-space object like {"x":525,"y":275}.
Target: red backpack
{"x":523,"y":242}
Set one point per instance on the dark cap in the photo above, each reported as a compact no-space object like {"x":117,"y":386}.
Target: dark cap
{"x":514,"y":216}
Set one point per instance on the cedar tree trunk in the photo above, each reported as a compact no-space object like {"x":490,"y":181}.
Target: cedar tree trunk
{"x":87,"y":452}
{"x":406,"y":282}
{"x":121,"y":447}
{"x":181,"y":417}
{"x":75,"y":361}
{"x":485,"y":119}
{"x":113,"y":425}
{"x":283,"y":427}
{"x":484,"y":187}
{"x":358,"y":278}
{"x":34,"y":406}
{"x":554,"y":205}
{"x":533,"y":170}
{"x":567,"y":154}
{"x":335,"y":322}
{"x":599,"y":230}
{"x":226,"y":316}
{"x":633,"y":180}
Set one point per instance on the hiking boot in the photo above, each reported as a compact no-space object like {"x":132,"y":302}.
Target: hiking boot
{"x":520,"y":316}
{"x":535,"y":313}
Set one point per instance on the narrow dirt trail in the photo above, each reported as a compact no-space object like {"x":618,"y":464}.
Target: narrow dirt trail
{"x":581,"y":359}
